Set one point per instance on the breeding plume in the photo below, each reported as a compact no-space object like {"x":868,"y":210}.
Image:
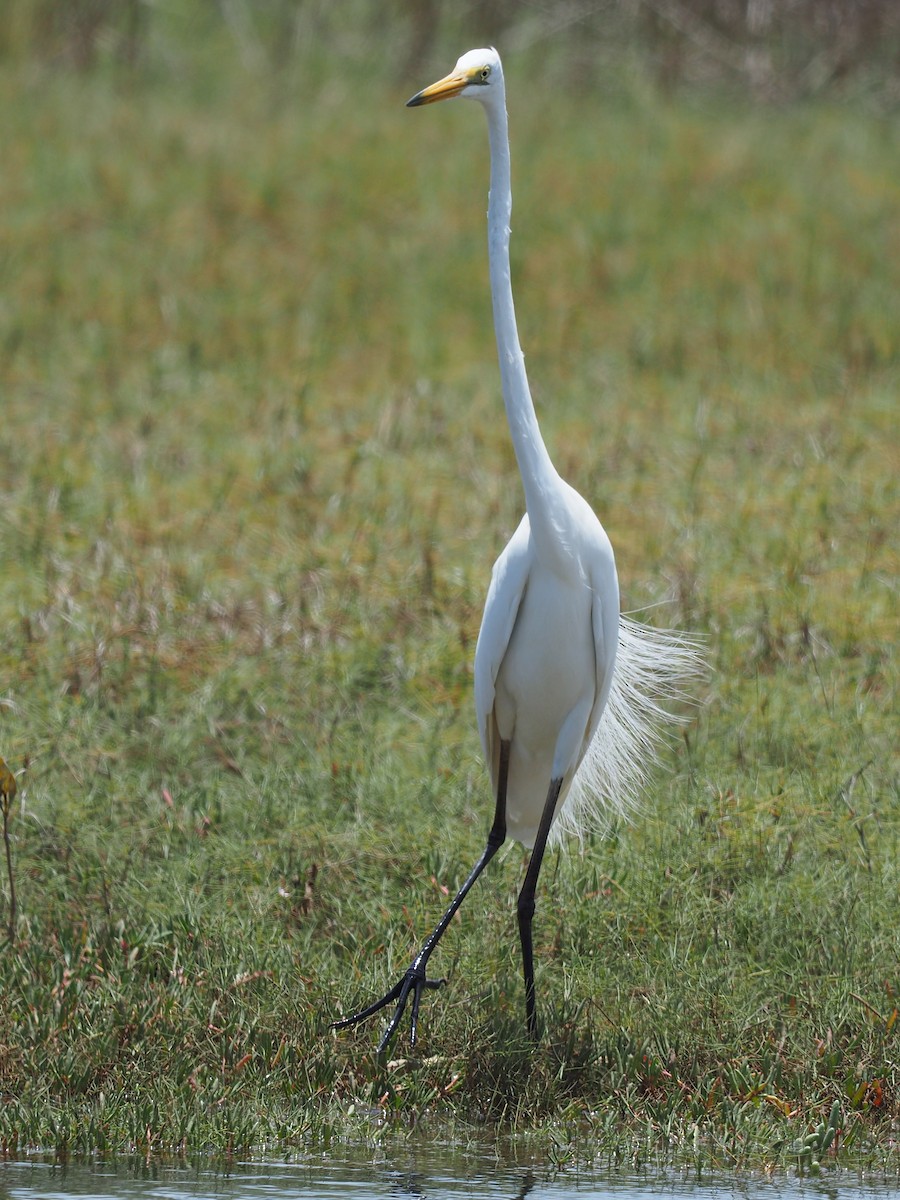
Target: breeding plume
{"x":568,"y":694}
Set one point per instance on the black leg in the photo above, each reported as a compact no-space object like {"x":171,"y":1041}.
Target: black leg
{"x":526,"y":903}
{"x":415,"y":979}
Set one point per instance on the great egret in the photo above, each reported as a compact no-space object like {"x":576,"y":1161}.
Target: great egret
{"x":567,"y":692}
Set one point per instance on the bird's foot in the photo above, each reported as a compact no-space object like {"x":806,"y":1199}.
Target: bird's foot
{"x":414,"y":982}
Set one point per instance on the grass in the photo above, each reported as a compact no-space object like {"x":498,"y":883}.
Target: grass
{"x":254,"y":471}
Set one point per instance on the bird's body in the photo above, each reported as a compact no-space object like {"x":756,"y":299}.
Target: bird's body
{"x":547,"y":646}
{"x":566,"y":691}
{"x":545,"y":658}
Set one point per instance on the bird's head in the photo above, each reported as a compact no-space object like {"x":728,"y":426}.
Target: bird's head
{"x":478,"y":75}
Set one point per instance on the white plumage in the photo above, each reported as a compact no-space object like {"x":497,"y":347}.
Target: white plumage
{"x":569,"y":696}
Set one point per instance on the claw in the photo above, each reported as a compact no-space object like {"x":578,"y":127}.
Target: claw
{"x":365,"y":1013}
{"x":415,"y":981}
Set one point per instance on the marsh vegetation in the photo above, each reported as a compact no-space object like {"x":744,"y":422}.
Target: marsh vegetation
{"x":254,"y":471}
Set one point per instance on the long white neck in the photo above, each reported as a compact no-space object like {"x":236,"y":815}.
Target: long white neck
{"x":538,"y":473}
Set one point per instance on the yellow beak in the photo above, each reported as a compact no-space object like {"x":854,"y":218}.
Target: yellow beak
{"x":451,"y":85}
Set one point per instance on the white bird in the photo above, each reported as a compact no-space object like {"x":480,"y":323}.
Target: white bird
{"x":568,"y":693}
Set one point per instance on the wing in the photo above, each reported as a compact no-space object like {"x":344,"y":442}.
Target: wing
{"x":508,"y":582}
{"x":605,"y":627}
{"x":593,"y":790}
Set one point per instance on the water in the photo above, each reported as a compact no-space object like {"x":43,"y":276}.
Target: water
{"x":429,"y":1177}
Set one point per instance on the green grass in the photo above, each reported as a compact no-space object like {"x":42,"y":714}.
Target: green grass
{"x":254,"y":471}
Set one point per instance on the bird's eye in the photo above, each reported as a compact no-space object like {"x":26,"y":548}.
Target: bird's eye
{"x":485,"y":72}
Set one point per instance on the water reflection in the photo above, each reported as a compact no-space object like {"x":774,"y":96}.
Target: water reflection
{"x":430,"y":1175}
{"x":420,"y":1184}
